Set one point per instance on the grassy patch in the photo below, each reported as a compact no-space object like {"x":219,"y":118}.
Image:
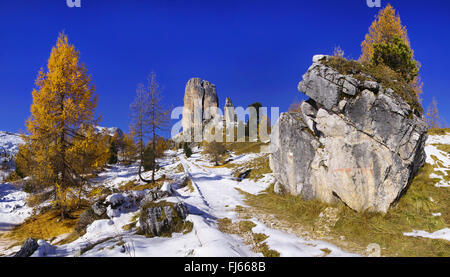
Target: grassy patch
{"x":258,"y":238}
{"x":96,"y":192}
{"x":240,"y":148}
{"x":130,"y":226}
{"x":179,"y":168}
{"x":413,"y":211}
{"x":443,"y":147}
{"x":244,"y":229}
{"x":90,"y":246}
{"x":187,"y":227}
{"x":187,"y":182}
{"x":439,"y":131}
{"x":266,"y":251}
{"x":326,"y":251}
{"x":133,"y":185}
{"x":253,"y":170}
{"x":46,"y":225}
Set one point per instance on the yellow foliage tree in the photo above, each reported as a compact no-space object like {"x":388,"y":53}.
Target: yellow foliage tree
{"x":60,"y":126}
{"x":384,"y":28}
{"x":387,"y":27}
{"x":128,"y":150}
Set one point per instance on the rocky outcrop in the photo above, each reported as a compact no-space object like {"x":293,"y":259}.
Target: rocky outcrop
{"x":162,"y":218}
{"x":352,"y":141}
{"x":28,"y":248}
{"x":200,"y":103}
{"x":229,"y":116}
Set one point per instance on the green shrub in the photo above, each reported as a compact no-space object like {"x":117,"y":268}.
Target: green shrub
{"x":187,"y":150}
{"x":397,"y":56}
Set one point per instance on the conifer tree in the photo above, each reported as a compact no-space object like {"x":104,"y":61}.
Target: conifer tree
{"x":384,"y":28}
{"x":128,"y":149}
{"x":385,"y":31}
{"x":148,"y":117}
{"x":60,"y":125}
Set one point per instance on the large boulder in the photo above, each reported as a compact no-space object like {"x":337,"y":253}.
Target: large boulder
{"x":28,"y":248}
{"x":162,"y":218}
{"x":200,"y":103}
{"x":352,"y":141}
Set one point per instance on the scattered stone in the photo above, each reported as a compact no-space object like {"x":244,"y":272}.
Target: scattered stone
{"x":99,"y":208}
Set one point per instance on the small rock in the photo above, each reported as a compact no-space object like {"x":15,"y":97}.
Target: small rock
{"x":373,"y":86}
{"x":278,"y":188}
{"x":99,"y":208}
{"x":318,"y":58}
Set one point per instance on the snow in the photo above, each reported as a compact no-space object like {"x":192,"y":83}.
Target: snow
{"x":442,"y":164}
{"x":9,"y":146}
{"x":111,"y":131}
{"x":13,"y":208}
{"x":441,"y":234}
{"x":216,"y":195}
{"x":10,"y":142}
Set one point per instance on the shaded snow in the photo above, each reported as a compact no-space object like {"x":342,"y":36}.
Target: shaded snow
{"x":441,"y":234}
{"x":13,"y":208}
{"x":10,"y":142}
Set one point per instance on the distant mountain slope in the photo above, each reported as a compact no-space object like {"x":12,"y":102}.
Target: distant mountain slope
{"x":9,"y":142}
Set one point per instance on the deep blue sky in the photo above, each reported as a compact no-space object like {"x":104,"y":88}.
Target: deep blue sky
{"x":252,"y":50}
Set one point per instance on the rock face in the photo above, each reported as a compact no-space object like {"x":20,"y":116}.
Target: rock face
{"x":229,"y":111}
{"x":353,"y":141}
{"x":162,"y":218}
{"x":28,"y":248}
{"x":200,"y":102}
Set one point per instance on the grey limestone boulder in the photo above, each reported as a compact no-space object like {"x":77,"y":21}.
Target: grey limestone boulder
{"x":351,"y":141}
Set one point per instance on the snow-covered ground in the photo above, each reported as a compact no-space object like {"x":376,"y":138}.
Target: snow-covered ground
{"x":442,"y":163}
{"x":215,"y":196}
{"x":441,"y":234}
{"x":13,"y":209}
{"x":9,"y":145}
{"x":10,"y":142}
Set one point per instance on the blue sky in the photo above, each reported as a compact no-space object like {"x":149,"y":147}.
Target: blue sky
{"x":252,"y":50}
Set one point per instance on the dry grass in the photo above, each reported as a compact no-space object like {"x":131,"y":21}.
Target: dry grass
{"x":413,"y":211}
{"x":443,"y":147}
{"x":379,"y":73}
{"x":133,"y":185}
{"x":244,"y":229}
{"x":240,"y":148}
{"x":190,"y":185}
{"x":439,"y":131}
{"x":130,"y":226}
{"x":179,"y":168}
{"x":46,"y":225}
{"x":95,"y":192}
